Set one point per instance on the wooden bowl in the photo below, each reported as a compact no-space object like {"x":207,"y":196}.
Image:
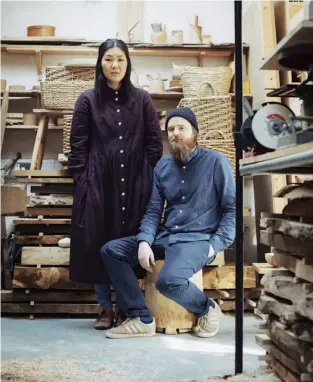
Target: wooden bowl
{"x":41,"y":31}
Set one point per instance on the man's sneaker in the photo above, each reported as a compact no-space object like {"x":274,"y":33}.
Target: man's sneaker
{"x":105,"y":319}
{"x":132,"y":327}
{"x":208,"y":325}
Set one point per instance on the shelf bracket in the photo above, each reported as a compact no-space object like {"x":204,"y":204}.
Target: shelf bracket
{"x":39,"y":64}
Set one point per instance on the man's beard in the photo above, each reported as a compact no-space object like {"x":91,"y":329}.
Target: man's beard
{"x":180,"y":149}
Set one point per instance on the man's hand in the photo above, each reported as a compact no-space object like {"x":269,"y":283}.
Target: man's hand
{"x":145,"y":256}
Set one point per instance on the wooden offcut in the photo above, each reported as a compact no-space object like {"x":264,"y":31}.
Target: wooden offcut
{"x":49,"y":200}
{"x":169,"y":316}
{"x":291,"y":228}
{"x":45,"y":278}
{"x":38,"y":239}
{"x":225,"y":277}
{"x":269,"y":305}
{"x":45,"y":256}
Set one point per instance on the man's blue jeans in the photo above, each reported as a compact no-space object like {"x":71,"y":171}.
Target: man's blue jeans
{"x":103,"y":294}
{"x":182,"y":261}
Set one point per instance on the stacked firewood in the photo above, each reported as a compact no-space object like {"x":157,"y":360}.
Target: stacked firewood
{"x":287,"y":297}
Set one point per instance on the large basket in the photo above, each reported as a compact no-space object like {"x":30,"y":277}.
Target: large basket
{"x":214,"y":113}
{"x":62,"y":95}
{"x":67,"y":126}
{"x":193,"y":77}
{"x":61,"y":73}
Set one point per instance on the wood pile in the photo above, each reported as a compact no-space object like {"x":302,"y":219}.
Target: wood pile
{"x":287,"y":296}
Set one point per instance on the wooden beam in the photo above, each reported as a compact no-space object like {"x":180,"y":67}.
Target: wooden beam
{"x":47,"y":211}
{"x":49,"y":200}
{"x":45,"y":278}
{"x":42,"y":308}
{"x":45,"y":256}
{"x":38,"y":239}
{"x":27,"y":221}
{"x":40,"y":174}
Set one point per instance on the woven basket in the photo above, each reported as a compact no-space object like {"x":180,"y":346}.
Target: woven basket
{"x":214,"y":113}
{"x":67,"y":126}
{"x":62,"y":95}
{"x":61,"y":73}
{"x":192,"y":78}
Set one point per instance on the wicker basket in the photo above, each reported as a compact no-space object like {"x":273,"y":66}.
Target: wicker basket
{"x":214,"y":114}
{"x":61,"y":73}
{"x":193,"y":77}
{"x":62,"y":95}
{"x":67,"y":126}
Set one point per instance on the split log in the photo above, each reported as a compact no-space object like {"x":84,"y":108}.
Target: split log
{"x":294,"y":191}
{"x":299,"y":207}
{"x":45,"y":256}
{"x":285,"y":312}
{"x":254,"y":293}
{"x":283,"y":358}
{"x":302,"y":248}
{"x":225,"y":277}
{"x":297,"y":230}
{"x":283,"y":372}
{"x":45,"y":278}
{"x":304,"y":306}
{"x":49,"y":200}
{"x":303,"y":330}
{"x":38,"y":239}
{"x":304,"y":271}
{"x":284,"y":259}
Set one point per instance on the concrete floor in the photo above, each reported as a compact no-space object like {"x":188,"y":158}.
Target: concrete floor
{"x":70,"y":349}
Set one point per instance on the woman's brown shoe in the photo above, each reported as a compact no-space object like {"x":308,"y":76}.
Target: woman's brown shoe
{"x":120,"y":317}
{"x":105,"y":319}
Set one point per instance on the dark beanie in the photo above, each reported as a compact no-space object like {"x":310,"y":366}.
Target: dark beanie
{"x":185,"y":113}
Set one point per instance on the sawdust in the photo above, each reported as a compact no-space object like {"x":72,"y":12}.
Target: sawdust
{"x":51,"y":370}
{"x":259,"y":375}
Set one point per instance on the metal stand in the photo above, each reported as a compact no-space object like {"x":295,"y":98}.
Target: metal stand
{"x":239,"y":191}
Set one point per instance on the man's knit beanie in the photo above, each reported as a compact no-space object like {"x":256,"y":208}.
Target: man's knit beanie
{"x":185,"y":113}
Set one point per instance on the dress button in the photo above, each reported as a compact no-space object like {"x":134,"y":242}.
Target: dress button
{"x":181,"y":211}
{"x":183,"y":181}
{"x":118,"y":110}
{"x":116,"y":99}
{"x":176,"y":226}
{"x":122,"y":179}
{"x":122,"y":165}
{"x":123,"y":222}
{"x":119,"y":123}
{"x":184,"y":167}
{"x":123,"y":193}
{"x":120,"y":137}
{"x":121,"y":151}
{"x":123,"y":208}
{"x":116,"y":92}
{"x":183,"y":198}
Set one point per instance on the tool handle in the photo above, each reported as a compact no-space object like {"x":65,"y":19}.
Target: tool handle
{"x":247,"y":107}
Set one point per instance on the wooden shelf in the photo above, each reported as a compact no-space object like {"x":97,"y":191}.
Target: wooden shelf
{"x":25,"y":94}
{"x":301,"y":33}
{"x":134,"y":50}
{"x":30,"y":127}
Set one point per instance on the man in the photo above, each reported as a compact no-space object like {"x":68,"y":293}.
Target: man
{"x":199,"y":189}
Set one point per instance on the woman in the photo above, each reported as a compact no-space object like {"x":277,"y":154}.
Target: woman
{"x":115,"y":143}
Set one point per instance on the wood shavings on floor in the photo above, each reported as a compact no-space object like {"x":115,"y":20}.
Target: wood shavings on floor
{"x":259,"y":375}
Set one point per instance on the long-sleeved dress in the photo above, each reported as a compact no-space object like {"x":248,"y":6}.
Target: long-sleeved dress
{"x":114,"y":148}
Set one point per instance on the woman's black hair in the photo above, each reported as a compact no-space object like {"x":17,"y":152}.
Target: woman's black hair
{"x":101,"y":86}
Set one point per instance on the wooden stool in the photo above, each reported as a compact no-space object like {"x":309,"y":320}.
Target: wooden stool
{"x":169,"y":316}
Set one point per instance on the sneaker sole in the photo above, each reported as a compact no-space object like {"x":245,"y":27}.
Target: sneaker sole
{"x":121,"y":336}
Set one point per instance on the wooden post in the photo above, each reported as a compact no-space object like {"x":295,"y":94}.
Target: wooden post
{"x":39,"y":143}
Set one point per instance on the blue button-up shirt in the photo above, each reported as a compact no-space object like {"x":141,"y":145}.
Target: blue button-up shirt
{"x":200,"y":201}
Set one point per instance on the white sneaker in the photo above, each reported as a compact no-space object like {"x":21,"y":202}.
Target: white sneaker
{"x":132,"y":327}
{"x":208,"y":325}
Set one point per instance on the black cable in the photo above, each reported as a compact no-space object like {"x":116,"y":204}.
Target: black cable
{"x":239,"y":191}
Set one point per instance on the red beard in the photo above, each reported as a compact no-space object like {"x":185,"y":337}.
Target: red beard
{"x":180,"y":149}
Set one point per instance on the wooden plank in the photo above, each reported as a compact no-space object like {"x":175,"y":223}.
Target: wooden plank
{"x":303,"y":248}
{"x":46,"y":180}
{"x":283,"y":358}
{"x":285,"y":312}
{"x":284,"y":259}
{"x":49,"y":200}
{"x":52,"y":189}
{"x":278,"y":153}
{"x":304,"y":271}
{"x":299,"y":207}
{"x":45,"y":278}
{"x":38,"y":239}
{"x":294,"y":191}
{"x":263,"y":268}
{"x":49,"y":296}
{"x":41,"y":173}
{"x":20,"y":221}
{"x":291,"y":228}
{"x":224,"y":277}
{"x":45,"y":256}
{"x":50,"y":308}
{"x":248,"y":293}
{"x":283,"y":372}
{"x":303,"y":330}
{"x":46,"y":211}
